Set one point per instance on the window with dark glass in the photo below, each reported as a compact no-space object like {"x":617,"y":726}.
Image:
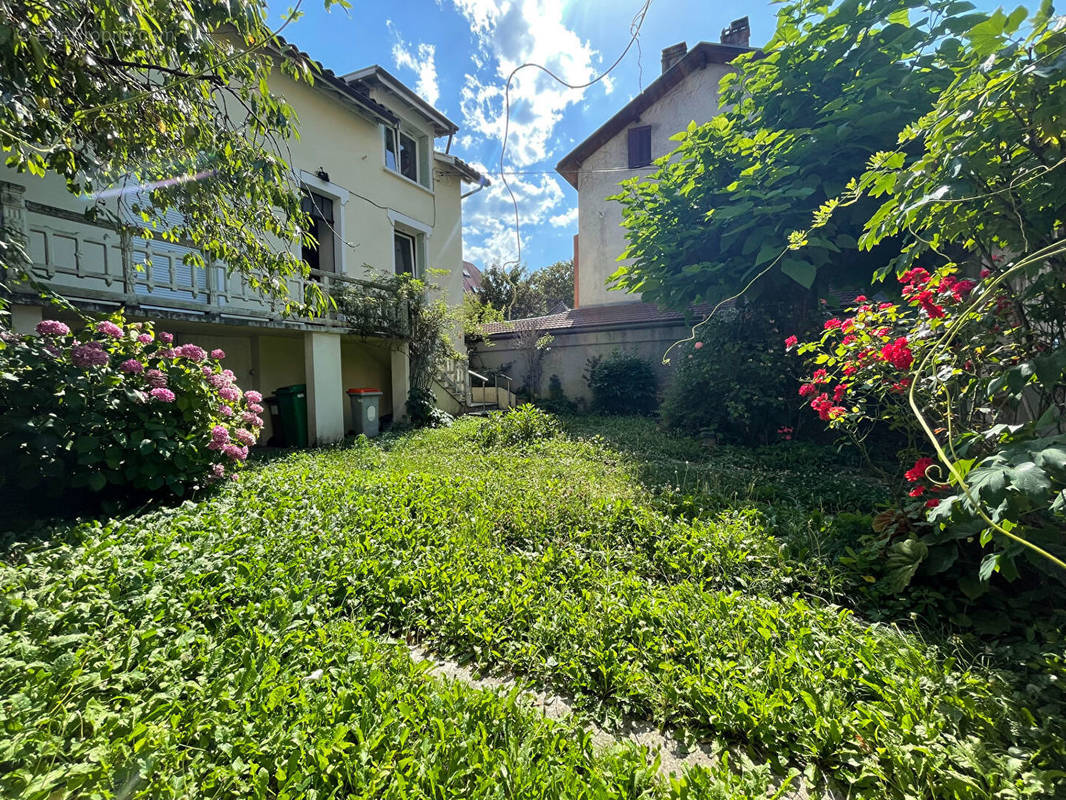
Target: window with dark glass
{"x":639,"y":146}
{"x":404,"y":246}
{"x":321,"y":254}
{"x":401,"y":153}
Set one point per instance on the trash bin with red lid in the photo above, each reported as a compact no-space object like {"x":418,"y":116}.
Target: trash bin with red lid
{"x":365,"y":410}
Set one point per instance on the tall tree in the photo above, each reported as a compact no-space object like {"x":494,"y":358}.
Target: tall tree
{"x":555,"y":283}
{"x":518,"y":294}
{"x":835,"y":84}
{"x":171,"y":99}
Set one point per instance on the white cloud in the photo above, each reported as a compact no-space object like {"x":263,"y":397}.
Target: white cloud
{"x":488,"y":217}
{"x":564,"y":220}
{"x":509,"y":33}
{"x":421,"y":61}
{"x":514,"y":32}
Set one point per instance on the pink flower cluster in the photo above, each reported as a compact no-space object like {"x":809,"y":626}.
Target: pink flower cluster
{"x":132,"y":366}
{"x":90,"y":354}
{"x":109,"y":328}
{"x":190,"y":351}
{"x":898,"y":353}
{"x":51,"y":327}
{"x":162,"y":395}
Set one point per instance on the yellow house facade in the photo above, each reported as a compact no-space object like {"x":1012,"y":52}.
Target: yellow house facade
{"x":383,"y":200}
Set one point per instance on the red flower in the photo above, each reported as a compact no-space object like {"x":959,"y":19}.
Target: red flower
{"x":820,"y":376}
{"x":821,"y":404}
{"x":925,"y":300}
{"x":850,"y":369}
{"x":839,"y":391}
{"x":902,"y":386}
{"x":806,"y":389}
{"x":932,"y":502}
{"x":885,"y":306}
{"x":962,"y":288}
{"x":698,"y":345}
{"x":917,"y":491}
{"x":831,"y":324}
{"x":882,"y":332}
{"x":917,"y":276}
{"x":917,"y":472}
{"x":847,"y":325}
{"x":791,"y":342}
{"x":898,"y":353}
{"x":851,"y":337}
{"x":837,"y":411}
{"x":986,"y":272}
{"x":860,"y":299}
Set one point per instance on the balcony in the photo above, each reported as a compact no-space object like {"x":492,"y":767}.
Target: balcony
{"x":94,"y":263}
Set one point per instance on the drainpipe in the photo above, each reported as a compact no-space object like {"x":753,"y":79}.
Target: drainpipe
{"x":482,"y":183}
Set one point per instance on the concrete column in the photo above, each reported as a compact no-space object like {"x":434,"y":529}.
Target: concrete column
{"x":401,"y":381}
{"x":13,"y":208}
{"x":325,"y":390}
{"x":25,"y":318}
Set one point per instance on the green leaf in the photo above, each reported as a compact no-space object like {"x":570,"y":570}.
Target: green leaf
{"x":802,"y":272}
{"x":1030,"y":479}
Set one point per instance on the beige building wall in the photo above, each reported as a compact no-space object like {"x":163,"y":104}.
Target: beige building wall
{"x":371,"y":202}
{"x":602,"y":239}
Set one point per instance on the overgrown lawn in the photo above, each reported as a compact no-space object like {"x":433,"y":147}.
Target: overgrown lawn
{"x":239,"y":645}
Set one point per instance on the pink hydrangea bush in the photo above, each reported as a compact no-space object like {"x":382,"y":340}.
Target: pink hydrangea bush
{"x":113,"y":409}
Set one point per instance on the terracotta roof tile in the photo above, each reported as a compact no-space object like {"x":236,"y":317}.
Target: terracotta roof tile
{"x":614,"y":315}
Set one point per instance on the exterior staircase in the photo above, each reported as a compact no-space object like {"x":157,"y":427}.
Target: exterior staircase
{"x":485,"y":398}
{"x":474,"y":393}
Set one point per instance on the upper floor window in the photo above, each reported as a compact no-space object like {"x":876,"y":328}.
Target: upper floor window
{"x":639,"y":146}
{"x":405,"y":251}
{"x":401,"y":154}
{"x":320,"y":255}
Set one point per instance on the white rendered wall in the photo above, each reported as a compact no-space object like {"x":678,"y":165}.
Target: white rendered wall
{"x":601,"y":236}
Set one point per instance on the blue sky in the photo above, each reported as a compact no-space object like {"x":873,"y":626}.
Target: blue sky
{"x":457,"y":54}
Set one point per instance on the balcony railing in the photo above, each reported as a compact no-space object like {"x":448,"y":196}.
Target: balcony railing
{"x":98,"y":262}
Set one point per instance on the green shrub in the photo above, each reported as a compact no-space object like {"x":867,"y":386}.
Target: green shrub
{"x":732,"y":383}
{"x":523,"y":425}
{"x":115,"y":412}
{"x":557,"y":402}
{"x":622,"y":383}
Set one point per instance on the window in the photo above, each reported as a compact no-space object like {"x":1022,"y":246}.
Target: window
{"x":401,"y":153}
{"x":404,"y":253}
{"x":639,"y":146}
{"x":321,"y":255}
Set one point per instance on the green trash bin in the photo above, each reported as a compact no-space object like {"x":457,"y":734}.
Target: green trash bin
{"x":292,"y":406}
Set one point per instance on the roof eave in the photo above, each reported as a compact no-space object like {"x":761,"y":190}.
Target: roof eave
{"x":464,"y":170}
{"x":698,"y":57}
{"x":442,"y":126}
{"x":322,"y":75}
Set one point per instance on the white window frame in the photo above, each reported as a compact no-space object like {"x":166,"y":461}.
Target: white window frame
{"x":339,"y":195}
{"x":423,"y":152}
{"x":418,"y":232}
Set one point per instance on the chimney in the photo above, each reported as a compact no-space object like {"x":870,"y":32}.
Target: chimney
{"x":671,"y":55}
{"x":737,"y":34}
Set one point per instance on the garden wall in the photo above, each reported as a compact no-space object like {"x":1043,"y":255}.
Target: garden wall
{"x":572,"y":348}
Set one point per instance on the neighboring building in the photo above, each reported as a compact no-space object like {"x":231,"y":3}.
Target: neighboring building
{"x":624,"y":146}
{"x":471,"y":278}
{"x":628,"y":144}
{"x":380,"y":195}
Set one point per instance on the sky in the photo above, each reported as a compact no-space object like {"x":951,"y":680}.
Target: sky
{"x":457,"y":54}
